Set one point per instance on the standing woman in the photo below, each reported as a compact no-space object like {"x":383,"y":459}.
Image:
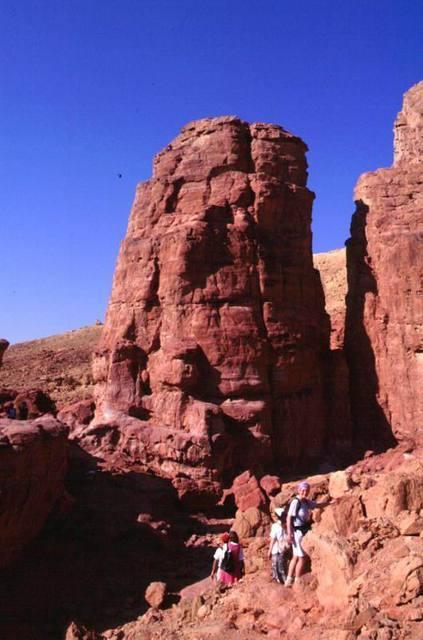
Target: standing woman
{"x":298,"y":523}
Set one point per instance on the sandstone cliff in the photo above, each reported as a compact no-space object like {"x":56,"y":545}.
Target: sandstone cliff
{"x":211,"y":359}
{"x":384,"y":324}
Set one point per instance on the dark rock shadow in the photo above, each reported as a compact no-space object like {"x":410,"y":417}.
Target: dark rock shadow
{"x":371,"y":430}
{"x":209,"y":252}
{"x":93,"y":564}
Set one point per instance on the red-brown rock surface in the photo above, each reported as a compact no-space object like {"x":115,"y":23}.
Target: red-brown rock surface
{"x":384,"y":328}
{"x":33,"y":458}
{"x":366,"y":574}
{"x":211,"y":356}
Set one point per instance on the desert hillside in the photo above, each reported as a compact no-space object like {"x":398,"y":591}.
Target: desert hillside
{"x":60,"y":365}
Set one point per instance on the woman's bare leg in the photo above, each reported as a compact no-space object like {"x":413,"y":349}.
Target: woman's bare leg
{"x":292,"y":567}
{"x":299,"y":568}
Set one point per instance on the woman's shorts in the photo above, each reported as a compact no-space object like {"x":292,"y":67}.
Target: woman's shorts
{"x":297,"y":549}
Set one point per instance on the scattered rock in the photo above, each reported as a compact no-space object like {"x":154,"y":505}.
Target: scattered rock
{"x":155,"y":594}
{"x":339,"y":484}
{"x":409,"y":523}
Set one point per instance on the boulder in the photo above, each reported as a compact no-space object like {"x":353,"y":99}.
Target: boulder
{"x":344,"y":516}
{"x":247,"y":492}
{"x":333,"y":564}
{"x":251,"y":522}
{"x":398,"y":492}
{"x":33,"y":462}
{"x":77,"y":413}
{"x":155,"y":594}
{"x":410,"y":523}
{"x":339,"y":483}
{"x":271,"y":485}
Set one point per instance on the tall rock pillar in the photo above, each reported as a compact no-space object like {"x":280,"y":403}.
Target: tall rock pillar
{"x":384,"y":325}
{"x":211,"y":360}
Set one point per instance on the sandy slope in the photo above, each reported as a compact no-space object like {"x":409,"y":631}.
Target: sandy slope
{"x":59,"y":365}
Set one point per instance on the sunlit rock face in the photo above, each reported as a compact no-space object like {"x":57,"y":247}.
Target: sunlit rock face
{"x":384,"y":328}
{"x":214,"y":348}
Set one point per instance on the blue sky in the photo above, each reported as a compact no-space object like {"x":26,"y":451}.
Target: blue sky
{"x":94,"y":88}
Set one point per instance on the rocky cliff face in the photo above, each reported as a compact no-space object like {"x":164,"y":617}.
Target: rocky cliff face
{"x":384,"y":325}
{"x":211,"y":356}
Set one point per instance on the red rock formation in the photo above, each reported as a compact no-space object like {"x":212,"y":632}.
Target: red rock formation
{"x":211,"y":356}
{"x":33,"y":458}
{"x":384,"y":325}
{"x":366,"y":577}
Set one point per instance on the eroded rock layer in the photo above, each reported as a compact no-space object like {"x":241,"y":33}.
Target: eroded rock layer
{"x":384,"y":326}
{"x":211,"y":359}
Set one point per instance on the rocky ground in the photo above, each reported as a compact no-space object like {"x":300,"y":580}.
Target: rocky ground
{"x":85,"y":576}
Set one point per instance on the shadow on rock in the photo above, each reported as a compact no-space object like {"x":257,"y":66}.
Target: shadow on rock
{"x":371,"y":426}
{"x":93,"y":564}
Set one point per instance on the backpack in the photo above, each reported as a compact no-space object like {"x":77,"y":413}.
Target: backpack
{"x":228,"y":562}
{"x":306,"y":526}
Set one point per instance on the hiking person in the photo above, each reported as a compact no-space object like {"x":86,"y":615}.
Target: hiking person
{"x":218,"y":556}
{"x":232,"y":564}
{"x":23,"y":411}
{"x":298,"y":524}
{"x":278,"y":544}
{"x":11,"y":412}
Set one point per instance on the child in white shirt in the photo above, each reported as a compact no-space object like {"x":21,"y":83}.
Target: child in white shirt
{"x":278,"y":545}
